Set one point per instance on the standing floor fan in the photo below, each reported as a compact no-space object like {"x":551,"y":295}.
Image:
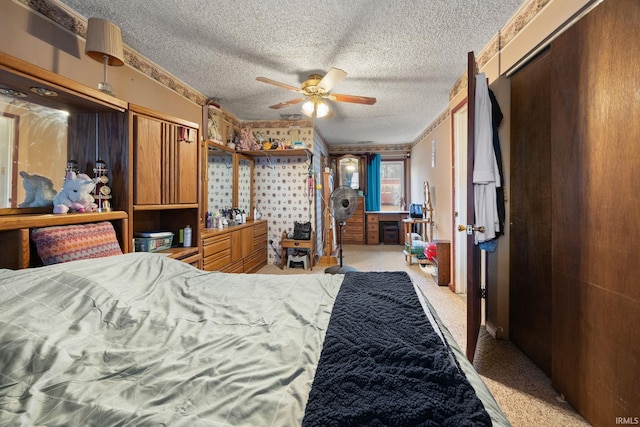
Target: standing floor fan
{"x":342,"y":204}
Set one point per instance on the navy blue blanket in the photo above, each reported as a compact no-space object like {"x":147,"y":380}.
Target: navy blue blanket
{"x":382,"y":363}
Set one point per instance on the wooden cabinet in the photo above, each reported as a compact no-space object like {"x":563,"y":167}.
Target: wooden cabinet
{"x":165,"y":173}
{"x":353,"y":230}
{"x":373,"y":229}
{"x":442,"y":260}
{"x":165,"y":159}
{"x":237,"y":249}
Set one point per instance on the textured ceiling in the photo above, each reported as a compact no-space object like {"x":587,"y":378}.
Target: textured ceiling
{"x":407,"y":54}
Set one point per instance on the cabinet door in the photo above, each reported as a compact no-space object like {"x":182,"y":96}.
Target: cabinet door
{"x":148,"y":149}
{"x":236,"y":245}
{"x":168,"y":161}
{"x":247,"y":241}
{"x":186,"y":164}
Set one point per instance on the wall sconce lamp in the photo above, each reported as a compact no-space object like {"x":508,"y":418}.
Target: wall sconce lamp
{"x":104,"y":44}
{"x":315,"y":107}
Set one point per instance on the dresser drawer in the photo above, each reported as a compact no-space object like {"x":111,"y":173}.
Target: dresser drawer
{"x":217,"y":261}
{"x":256,"y":260}
{"x":236,"y":267}
{"x":373,"y":238}
{"x":216,"y":244}
{"x":260,"y":230}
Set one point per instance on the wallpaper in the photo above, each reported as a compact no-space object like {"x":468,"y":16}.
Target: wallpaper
{"x":281,"y":191}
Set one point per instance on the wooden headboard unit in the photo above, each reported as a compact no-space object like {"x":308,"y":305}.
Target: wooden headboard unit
{"x":16,"y":250}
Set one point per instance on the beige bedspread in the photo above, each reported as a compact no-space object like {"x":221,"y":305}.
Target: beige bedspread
{"x":140,"y":339}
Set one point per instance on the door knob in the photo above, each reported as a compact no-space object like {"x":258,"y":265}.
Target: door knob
{"x":470,"y":228}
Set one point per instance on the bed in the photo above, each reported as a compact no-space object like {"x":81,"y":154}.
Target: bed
{"x":141,"y":339}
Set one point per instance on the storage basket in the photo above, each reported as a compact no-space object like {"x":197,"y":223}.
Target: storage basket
{"x":152,"y":244}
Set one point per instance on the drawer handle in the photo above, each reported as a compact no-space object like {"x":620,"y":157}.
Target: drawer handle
{"x":296,"y":244}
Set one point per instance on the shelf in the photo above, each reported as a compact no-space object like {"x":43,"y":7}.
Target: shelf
{"x":418,"y":260}
{"x":179,"y":252}
{"x":13,"y":222}
{"x":294,"y":152}
{"x":165,"y":207}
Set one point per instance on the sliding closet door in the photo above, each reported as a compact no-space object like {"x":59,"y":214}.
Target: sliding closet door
{"x":595,"y":102}
{"x":530,"y":245}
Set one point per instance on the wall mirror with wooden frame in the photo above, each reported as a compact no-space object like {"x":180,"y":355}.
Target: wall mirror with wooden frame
{"x":350,"y":172}
{"x":244,"y":200}
{"x":45,"y":121}
{"x":220,"y":178}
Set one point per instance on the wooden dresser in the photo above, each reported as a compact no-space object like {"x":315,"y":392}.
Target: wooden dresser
{"x":238,"y":249}
{"x":373,"y":229}
{"x":353,"y":230}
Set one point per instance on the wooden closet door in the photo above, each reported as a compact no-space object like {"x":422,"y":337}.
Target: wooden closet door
{"x":186,"y":172}
{"x":530,"y":317}
{"x":148,"y":155}
{"x":595,"y":152}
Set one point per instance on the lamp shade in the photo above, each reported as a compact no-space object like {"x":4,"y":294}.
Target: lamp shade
{"x":104,"y":38}
{"x":315,"y":108}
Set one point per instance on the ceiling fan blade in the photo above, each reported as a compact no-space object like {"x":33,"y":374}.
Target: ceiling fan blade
{"x":287,"y":103}
{"x":278,"y":84}
{"x":332,"y":78}
{"x":352,"y":98}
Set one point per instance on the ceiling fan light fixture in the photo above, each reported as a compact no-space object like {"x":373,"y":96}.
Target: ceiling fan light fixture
{"x":315,"y":108}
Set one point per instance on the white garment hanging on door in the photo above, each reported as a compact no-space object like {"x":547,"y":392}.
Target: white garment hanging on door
{"x":486,"y":176}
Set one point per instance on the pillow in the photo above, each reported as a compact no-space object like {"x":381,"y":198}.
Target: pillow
{"x":72,"y":242}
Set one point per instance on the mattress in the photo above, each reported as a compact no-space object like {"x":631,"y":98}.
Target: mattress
{"x":141,"y":339}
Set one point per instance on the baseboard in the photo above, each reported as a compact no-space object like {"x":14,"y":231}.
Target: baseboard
{"x":497,"y":332}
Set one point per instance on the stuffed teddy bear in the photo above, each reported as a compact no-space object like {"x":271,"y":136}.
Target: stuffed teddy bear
{"x":248,"y":140}
{"x":75,"y":195}
{"x":39,"y":190}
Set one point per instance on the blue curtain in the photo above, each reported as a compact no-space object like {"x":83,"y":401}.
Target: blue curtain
{"x":372,"y":198}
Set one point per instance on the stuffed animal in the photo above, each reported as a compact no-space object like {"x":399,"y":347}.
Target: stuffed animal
{"x":39,"y":190}
{"x":248,"y":140}
{"x":75,"y":195}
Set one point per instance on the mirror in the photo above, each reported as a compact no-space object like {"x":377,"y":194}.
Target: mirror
{"x":349,"y":172}
{"x":33,"y":153}
{"x":245,"y":184}
{"x":220,"y":177}
{"x":46,"y":121}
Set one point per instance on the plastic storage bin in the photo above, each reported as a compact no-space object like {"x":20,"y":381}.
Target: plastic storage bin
{"x":152,"y":244}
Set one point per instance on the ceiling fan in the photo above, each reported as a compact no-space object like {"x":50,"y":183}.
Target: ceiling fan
{"x":315,"y":90}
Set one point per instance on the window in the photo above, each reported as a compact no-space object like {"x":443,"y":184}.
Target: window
{"x":392,"y":185}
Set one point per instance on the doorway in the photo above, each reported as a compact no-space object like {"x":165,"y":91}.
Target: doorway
{"x":459,"y":247}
